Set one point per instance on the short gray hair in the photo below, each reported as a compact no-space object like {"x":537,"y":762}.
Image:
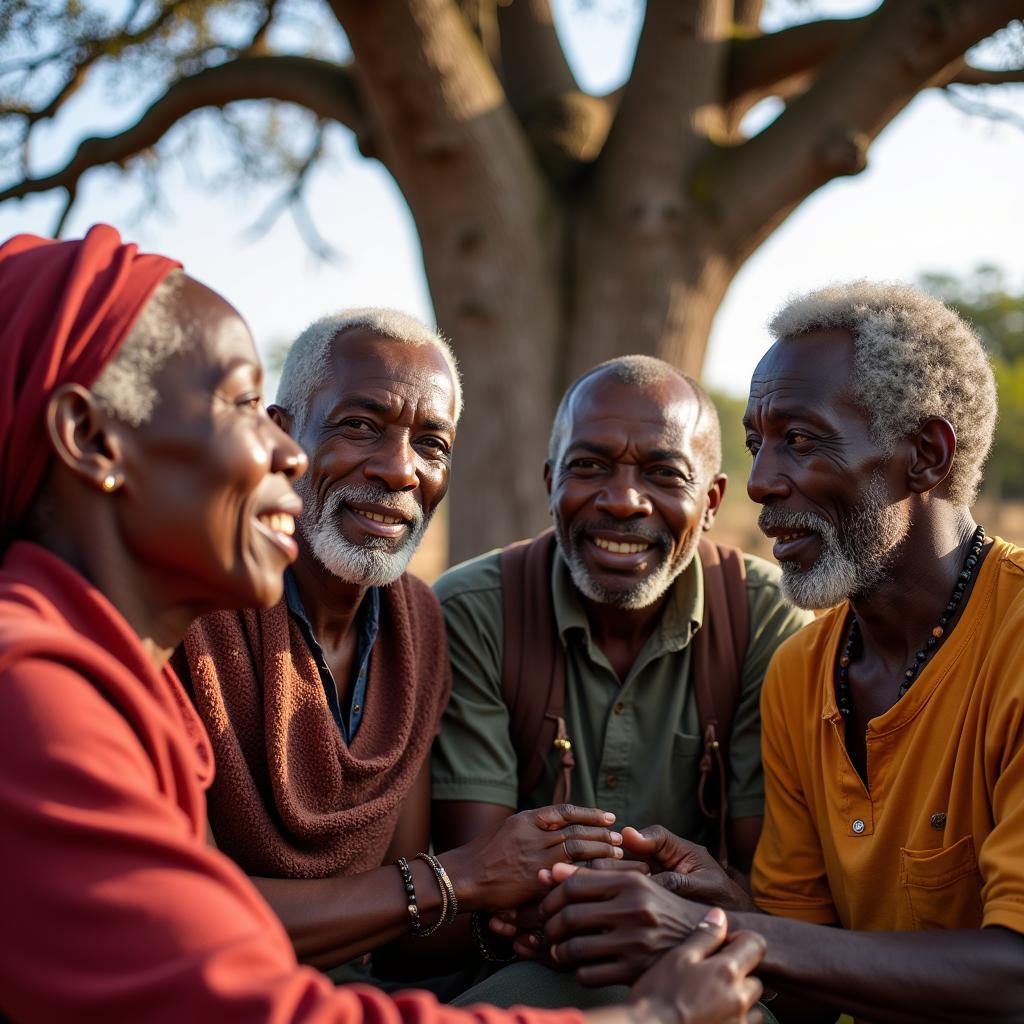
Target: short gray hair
{"x":308,"y":360}
{"x":641,"y":371}
{"x":125,"y":387}
{"x":913,"y":358}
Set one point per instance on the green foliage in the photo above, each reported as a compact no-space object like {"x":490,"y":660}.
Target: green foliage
{"x":735,"y":460}
{"x":996,"y":311}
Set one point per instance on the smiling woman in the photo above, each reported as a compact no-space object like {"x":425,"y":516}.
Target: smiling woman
{"x":130,"y":502}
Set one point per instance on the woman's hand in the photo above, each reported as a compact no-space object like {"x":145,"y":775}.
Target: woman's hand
{"x":499,"y":869}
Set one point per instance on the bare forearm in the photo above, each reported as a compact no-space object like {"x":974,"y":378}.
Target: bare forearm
{"x":894,"y":977}
{"x":331,"y":920}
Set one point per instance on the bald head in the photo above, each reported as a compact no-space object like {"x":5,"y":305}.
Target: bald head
{"x":645,"y":373}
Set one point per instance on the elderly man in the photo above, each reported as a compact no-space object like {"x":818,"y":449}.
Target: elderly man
{"x":322,"y":708}
{"x":634,"y":481}
{"x":894,"y":726}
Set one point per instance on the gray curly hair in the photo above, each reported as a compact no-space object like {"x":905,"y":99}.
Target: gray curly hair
{"x":308,"y":359}
{"x":913,"y":358}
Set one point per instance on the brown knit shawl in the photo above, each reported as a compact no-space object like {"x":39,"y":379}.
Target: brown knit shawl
{"x":290,"y":799}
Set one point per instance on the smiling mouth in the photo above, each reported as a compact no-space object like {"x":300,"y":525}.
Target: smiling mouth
{"x":377,"y":517}
{"x":279,"y":522}
{"x":618,"y":548}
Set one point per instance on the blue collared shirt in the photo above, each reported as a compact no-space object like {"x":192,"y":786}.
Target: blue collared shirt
{"x":368,"y":621}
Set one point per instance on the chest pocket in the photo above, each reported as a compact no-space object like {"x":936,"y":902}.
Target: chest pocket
{"x":684,"y":745}
{"x":943,"y":887}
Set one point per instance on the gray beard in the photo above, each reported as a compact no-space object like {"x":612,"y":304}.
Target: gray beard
{"x":641,"y":594}
{"x":378,"y":561}
{"x":855,"y":560}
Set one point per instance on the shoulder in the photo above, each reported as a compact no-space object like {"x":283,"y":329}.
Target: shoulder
{"x":478,"y":576}
{"x":800,"y":658}
{"x":770,"y":613}
{"x":761,"y":574}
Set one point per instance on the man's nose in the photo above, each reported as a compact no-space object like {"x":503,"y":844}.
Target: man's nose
{"x":765,"y":481}
{"x":394,"y":465}
{"x":623,"y":498}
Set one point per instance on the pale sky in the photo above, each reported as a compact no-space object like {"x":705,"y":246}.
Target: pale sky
{"x":943,"y":192}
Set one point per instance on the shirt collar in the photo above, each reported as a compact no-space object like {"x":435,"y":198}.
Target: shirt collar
{"x":680,"y":619}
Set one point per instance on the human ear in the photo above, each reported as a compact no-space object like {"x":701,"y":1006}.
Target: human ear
{"x":281,"y":417}
{"x":548,"y":476}
{"x":932,"y":455}
{"x":716,"y":492}
{"x":84,"y":437}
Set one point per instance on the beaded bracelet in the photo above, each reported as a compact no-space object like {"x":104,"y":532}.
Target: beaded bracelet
{"x":415,"y":925}
{"x":486,"y":952}
{"x":449,"y":901}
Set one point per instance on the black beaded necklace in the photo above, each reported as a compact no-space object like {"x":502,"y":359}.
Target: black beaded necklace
{"x":853,"y":638}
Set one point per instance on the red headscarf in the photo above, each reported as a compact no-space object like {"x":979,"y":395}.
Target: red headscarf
{"x":65,"y":308}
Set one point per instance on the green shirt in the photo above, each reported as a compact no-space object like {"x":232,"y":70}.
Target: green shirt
{"x":637,"y":743}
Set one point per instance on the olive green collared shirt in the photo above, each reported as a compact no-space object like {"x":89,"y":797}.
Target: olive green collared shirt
{"x":637,"y":742}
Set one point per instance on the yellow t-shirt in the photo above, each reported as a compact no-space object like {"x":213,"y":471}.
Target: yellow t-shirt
{"x":938,"y":842}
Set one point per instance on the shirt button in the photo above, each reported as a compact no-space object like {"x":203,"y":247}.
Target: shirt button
{"x":356,"y":708}
{"x":619,"y":708}
{"x":612,"y":781}
{"x":858,"y":826}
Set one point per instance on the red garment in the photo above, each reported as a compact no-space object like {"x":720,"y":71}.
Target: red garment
{"x":65,"y":308}
{"x":113,"y":909}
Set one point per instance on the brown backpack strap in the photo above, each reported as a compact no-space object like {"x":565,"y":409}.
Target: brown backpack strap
{"x":533,"y":667}
{"x":718,"y":652}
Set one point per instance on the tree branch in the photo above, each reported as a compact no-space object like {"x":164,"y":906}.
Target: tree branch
{"x":93,"y":50}
{"x":294,"y":200}
{"x":825,"y":132}
{"x":746,"y":14}
{"x":326,"y":89}
{"x":757,"y":63}
{"x":533,"y":64}
{"x":670,"y":106}
{"x":967,"y":75}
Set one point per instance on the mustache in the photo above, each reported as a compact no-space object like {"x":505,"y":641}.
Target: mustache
{"x":774,"y":517}
{"x":401,"y":502}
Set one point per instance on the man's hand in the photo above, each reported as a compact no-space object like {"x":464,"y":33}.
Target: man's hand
{"x":499,"y":869}
{"x":612,"y":925}
{"x":703,"y":981}
{"x":686,"y":869}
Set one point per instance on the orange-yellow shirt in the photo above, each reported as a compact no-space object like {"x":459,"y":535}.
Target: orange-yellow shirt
{"x":938,"y":841}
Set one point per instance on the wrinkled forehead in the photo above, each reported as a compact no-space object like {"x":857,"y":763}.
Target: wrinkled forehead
{"x":816,"y":367}
{"x":362,"y":360}
{"x":666,"y":408}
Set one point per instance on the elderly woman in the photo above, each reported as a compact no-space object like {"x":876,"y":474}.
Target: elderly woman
{"x":141,"y":485}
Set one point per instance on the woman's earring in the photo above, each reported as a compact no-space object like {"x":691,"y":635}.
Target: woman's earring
{"x":110,"y":483}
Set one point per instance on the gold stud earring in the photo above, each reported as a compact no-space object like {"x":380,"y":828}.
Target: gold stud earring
{"x":110,"y":483}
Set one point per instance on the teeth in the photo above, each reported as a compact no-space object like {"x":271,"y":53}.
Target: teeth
{"x":620,"y":549}
{"x":279,"y":522}
{"x":378,"y":518}
{"x":791,"y":536}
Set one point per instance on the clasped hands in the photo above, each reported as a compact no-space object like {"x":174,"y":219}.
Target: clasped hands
{"x":611,"y":920}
